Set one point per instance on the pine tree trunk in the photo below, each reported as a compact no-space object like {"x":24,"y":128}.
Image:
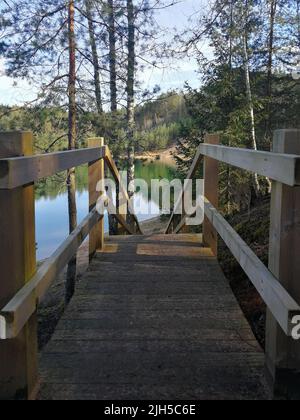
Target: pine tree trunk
{"x":71,"y":181}
{"x":256,"y":185}
{"x":112,"y":56}
{"x":113,"y":223}
{"x":130,"y":96}
{"x":95,"y":57}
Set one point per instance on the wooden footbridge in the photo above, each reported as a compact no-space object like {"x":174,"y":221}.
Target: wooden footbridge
{"x":153,"y":317}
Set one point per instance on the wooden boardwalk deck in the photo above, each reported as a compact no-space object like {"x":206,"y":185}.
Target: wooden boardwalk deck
{"x":153,"y":318}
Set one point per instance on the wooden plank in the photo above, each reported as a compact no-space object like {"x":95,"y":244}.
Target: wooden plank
{"x":115,"y":173}
{"x":96,"y":174}
{"x":211,"y":192}
{"x":282,"y":353}
{"x":226,"y":345}
{"x":188,"y":238}
{"x":121,"y":219}
{"x":283,"y":168}
{"x":18,"y":367}
{"x":181,"y":225}
{"x":112,"y":166}
{"x":142,"y":327}
{"x":193,"y":170}
{"x":278,"y":300}
{"x":162,"y":250}
{"x":121,"y":199}
{"x":18,"y":171}
{"x":19,"y":309}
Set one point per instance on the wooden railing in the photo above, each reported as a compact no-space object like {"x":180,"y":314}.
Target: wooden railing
{"x":278,"y":285}
{"x":22,"y":286}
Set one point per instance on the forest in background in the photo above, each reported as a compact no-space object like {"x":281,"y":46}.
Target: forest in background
{"x":250,"y":86}
{"x":92,"y":55}
{"x":157,"y":125}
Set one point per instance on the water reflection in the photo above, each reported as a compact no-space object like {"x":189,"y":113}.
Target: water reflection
{"x":52,"y":204}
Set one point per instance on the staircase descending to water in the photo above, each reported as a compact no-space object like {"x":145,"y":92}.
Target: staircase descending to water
{"x":153,"y":317}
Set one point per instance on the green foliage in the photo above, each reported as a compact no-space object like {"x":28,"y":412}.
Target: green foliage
{"x":218,"y":107}
{"x":239,"y":34}
{"x":158,"y":137}
{"x":166,"y":109}
{"x":158,"y":122}
{"x":49,"y":126}
{"x":157,"y":125}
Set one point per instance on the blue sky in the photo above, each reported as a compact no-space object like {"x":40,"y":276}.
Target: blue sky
{"x":178,"y":17}
{"x":14,"y":92}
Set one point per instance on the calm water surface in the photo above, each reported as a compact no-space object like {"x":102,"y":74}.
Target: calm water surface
{"x":52,"y":205}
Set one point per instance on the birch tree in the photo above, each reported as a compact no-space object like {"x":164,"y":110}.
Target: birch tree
{"x":249,"y":90}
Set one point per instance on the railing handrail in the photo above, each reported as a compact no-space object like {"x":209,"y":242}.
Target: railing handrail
{"x":280,"y":303}
{"x":19,"y":309}
{"x":283,"y":168}
{"x":19,"y":171}
{"x":115,"y":173}
{"x":194,"y":167}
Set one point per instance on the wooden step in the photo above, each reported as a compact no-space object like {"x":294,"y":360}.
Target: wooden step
{"x":153,"y":318}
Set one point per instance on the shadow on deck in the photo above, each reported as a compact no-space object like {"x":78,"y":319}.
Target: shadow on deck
{"x":146,"y":324}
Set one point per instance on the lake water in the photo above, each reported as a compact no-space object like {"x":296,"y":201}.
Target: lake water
{"x":51,"y":204}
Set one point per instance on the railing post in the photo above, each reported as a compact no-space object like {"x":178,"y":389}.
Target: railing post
{"x":282,"y":352}
{"x":96,"y":174}
{"x":211,"y":191}
{"x":18,"y":357}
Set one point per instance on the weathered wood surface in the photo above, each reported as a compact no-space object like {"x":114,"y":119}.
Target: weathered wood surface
{"x":149,"y":325}
{"x":124,"y":198}
{"x":211,"y":192}
{"x":96,"y":175}
{"x":282,"y":353}
{"x":191,"y":174}
{"x":18,"y":357}
{"x":18,"y":171}
{"x":282,"y":305}
{"x":283,"y":167}
{"x":23,"y":304}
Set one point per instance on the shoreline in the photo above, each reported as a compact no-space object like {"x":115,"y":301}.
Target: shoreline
{"x":164,"y":156}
